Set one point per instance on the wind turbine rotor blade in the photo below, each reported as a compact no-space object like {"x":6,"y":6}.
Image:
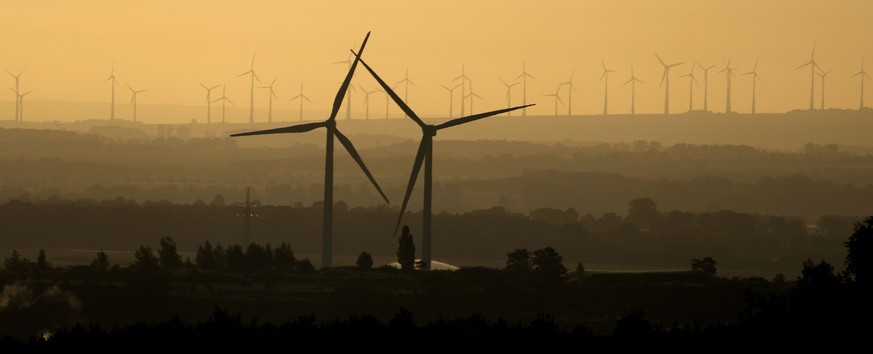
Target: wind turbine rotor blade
{"x":659,"y":59}
{"x":341,"y":93}
{"x":214,"y":87}
{"x":244,"y":74}
{"x":130,"y":88}
{"x":202,"y":85}
{"x":474,"y":117}
{"x":628,"y":81}
{"x":504,"y":82}
{"x":302,"y":128}
{"x":391,"y":93}
{"x":357,"y":157}
{"x":413,"y":176}
{"x":228,"y":100}
{"x":307,"y":99}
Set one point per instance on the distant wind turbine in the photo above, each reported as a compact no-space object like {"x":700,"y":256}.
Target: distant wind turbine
{"x":133,"y":100}
{"x":729,"y":72}
{"x":367,"y":100}
{"x":508,"y":94}
{"x":20,"y":99}
{"x":633,"y":81}
{"x":691,"y":81}
{"x":472,"y":95}
{"x":18,"y":96}
{"x":113,"y":84}
{"x":223,"y":100}
{"x":301,"y":97}
{"x":557,"y":98}
{"x":348,"y":92}
{"x":208,"y":101}
{"x":666,"y":77}
{"x":270,"y":97}
{"x":425,"y":156}
{"x":570,"y":89}
{"x":464,"y":79}
{"x":823,"y":75}
{"x":755,"y":79}
{"x":862,"y":74}
{"x":523,"y":76}
{"x":405,"y":81}
{"x":605,"y":78}
{"x":251,"y":89}
{"x":451,"y":97}
{"x":332,"y":132}
{"x":812,"y":71}
{"x":706,"y":86}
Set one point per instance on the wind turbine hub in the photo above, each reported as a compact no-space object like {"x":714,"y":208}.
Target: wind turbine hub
{"x":330,"y":124}
{"x":429,"y":130}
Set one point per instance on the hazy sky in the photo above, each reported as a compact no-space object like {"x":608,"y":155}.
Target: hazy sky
{"x":166,"y":47}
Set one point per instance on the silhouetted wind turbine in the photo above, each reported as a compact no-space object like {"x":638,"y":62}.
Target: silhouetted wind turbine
{"x":812,"y":66}
{"x":21,"y":106}
{"x":729,"y":72}
{"x":271,"y":95}
{"x":451,"y":97}
{"x":472,"y":95}
{"x":301,"y":97}
{"x":823,"y":75}
{"x":133,"y":100}
{"x":17,"y":96}
{"x":605,"y":78}
{"x":425,"y":156}
{"x":508,"y":94}
{"x":463,"y":77}
{"x":348,"y":93}
{"x":332,"y":131}
{"x":755,"y":78}
{"x":405,"y":81}
{"x":223,"y":100}
{"x":666,"y":77}
{"x":251,"y":88}
{"x":633,"y":81}
{"x":570,"y":89}
{"x":691,"y":81}
{"x":208,"y":101}
{"x":706,"y":86}
{"x":862,"y":74}
{"x":557,"y":98}
{"x":113,"y":84}
{"x":367,"y":100}
{"x":523,"y":76}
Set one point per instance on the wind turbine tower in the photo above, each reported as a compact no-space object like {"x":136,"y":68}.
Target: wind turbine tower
{"x":706,"y":86}
{"x":464,"y":79}
{"x":405,"y":81}
{"x":823,"y":75}
{"x":508,"y":94}
{"x":348,"y":92}
{"x":557,"y":97}
{"x":451,"y":97}
{"x":223,"y":100}
{"x":812,"y":72}
{"x":472,"y":96}
{"x":20,"y":99}
{"x":570,"y":89}
{"x":113,"y":84}
{"x":208,"y":101}
{"x":755,"y":79}
{"x":367,"y":100}
{"x":301,"y":97}
{"x":691,"y":81}
{"x":523,"y":76}
{"x":18,"y":96}
{"x":605,"y":78}
{"x":133,"y":100}
{"x":251,"y":89}
{"x":666,"y":77}
{"x":633,"y":81}
{"x":862,"y":74}
{"x":729,"y":72}
{"x":271,"y":95}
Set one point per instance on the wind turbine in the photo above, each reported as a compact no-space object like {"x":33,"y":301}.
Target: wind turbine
{"x":348,"y":93}
{"x":605,"y":78}
{"x":508,"y":94}
{"x":113,"y":84}
{"x":755,"y":79}
{"x":425,"y":156}
{"x":523,"y":76}
{"x":367,"y":99}
{"x":223,"y":100}
{"x":570,"y":89}
{"x":812,"y":66}
{"x":21,"y":106}
{"x":301,"y":97}
{"x":472,"y":96}
{"x":133,"y":100}
{"x":17,"y":96}
{"x":691,"y":81}
{"x":271,"y":95}
{"x":252,"y":89}
{"x":387,"y":99}
{"x":451,"y":97}
{"x":823,"y":75}
{"x":557,"y":98}
{"x":706,"y":86}
{"x":633,"y":81}
{"x":862,"y":74}
{"x":332,"y":132}
{"x":729,"y":72}
{"x":406,"y":81}
{"x":463,"y":77}
{"x":666,"y":77}
{"x":208,"y":101}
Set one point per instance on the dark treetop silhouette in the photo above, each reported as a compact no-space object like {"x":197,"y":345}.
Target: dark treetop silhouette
{"x":330,"y":125}
{"x":424,"y":154}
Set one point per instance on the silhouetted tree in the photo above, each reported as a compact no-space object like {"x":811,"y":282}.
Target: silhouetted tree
{"x":519,"y":261}
{"x":100,"y":262}
{"x":41,"y":263}
{"x":257,"y":257}
{"x":144,"y":258}
{"x":706,"y":265}
{"x":365,"y":261}
{"x":548,"y":263}
{"x":218,"y":201}
{"x":304,"y":266}
{"x":580,"y":270}
{"x":168,"y":255}
{"x":283,"y":257}
{"x":859,"y":255}
{"x":220,"y":257}
{"x":15,"y":263}
{"x":406,"y":250}
{"x":643,"y":212}
{"x":236,"y":258}
{"x":205,"y":257}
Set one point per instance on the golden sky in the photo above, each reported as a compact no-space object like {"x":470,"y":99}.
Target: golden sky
{"x":166,"y":47}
